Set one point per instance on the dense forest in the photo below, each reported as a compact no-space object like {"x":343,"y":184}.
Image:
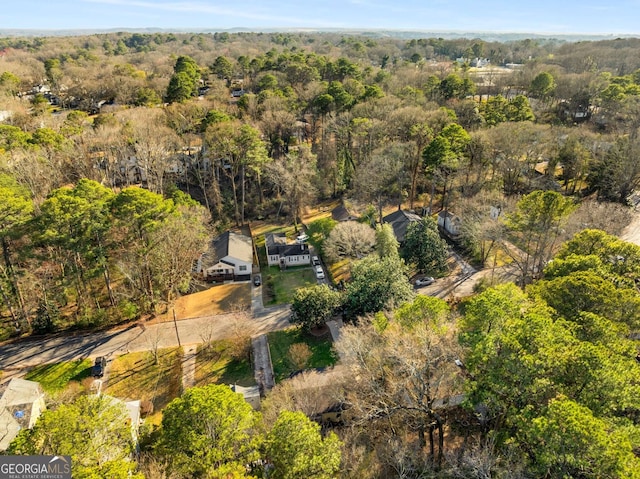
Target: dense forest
{"x":121,"y":154}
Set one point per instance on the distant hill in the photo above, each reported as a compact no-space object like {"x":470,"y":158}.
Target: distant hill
{"x":403,"y":34}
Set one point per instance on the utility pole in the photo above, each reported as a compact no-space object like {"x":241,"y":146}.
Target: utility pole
{"x":175,"y":323}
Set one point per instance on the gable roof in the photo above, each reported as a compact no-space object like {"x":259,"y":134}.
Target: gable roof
{"x":273,"y":240}
{"x":276,"y":244}
{"x":341,"y":213}
{"x":229,"y":245}
{"x":400,"y":221}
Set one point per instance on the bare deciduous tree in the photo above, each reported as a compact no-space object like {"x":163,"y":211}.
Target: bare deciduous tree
{"x":349,"y":240}
{"x":399,"y":375}
{"x":292,"y":175}
{"x":299,"y":354}
{"x":154,"y":337}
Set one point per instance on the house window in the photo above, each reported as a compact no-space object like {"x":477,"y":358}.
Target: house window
{"x":242,"y":268}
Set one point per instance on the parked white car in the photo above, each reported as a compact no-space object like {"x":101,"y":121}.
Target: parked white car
{"x":302,"y":238}
{"x":319,"y":272}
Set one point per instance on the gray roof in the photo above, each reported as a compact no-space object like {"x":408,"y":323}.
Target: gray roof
{"x":341,"y":213}
{"x":229,"y":244}
{"x":400,"y":221}
{"x":273,"y":240}
{"x":276,"y":244}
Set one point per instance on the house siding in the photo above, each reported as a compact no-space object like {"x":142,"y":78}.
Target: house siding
{"x":279,"y":252}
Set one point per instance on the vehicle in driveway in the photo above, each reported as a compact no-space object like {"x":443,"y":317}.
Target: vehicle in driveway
{"x":315,"y":261}
{"x":257,"y":280}
{"x":426,"y":281}
{"x":319,"y":272}
{"x":302,"y":238}
{"x":97,"y":371}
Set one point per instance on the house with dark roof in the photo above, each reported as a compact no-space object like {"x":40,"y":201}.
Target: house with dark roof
{"x":400,"y":221}
{"x":341,"y":213}
{"x":229,"y":257}
{"x":281,"y":253}
{"x":21,"y":403}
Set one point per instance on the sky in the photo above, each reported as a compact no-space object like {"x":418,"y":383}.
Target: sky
{"x":612,"y":17}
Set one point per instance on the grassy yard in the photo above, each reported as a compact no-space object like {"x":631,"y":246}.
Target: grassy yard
{"x":135,"y":376}
{"x":322,"y":352}
{"x":55,"y":377}
{"x":224,"y":362}
{"x":341,"y":271}
{"x":279,"y":286}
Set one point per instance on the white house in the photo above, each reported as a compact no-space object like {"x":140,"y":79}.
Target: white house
{"x":449,"y":223}
{"x":280,"y":253}
{"x":229,"y":257}
{"x":21,"y":403}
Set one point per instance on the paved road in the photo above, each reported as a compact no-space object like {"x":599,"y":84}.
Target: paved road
{"x":140,"y":337}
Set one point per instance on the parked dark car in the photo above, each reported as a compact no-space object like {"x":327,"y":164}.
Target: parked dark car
{"x":99,"y":366}
{"x":257,"y":281}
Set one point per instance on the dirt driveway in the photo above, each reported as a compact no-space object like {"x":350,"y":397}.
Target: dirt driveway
{"x":632,"y":232}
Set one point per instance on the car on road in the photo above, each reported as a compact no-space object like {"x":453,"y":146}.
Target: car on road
{"x":426,"y":281}
{"x":319,"y":272}
{"x":302,"y":238}
{"x":97,"y":371}
{"x":315,"y":261}
{"x":257,"y":280}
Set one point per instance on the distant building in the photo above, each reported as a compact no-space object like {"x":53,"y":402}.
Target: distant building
{"x":21,"y":403}
{"x":495,"y":212}
{"x":341,"y":213}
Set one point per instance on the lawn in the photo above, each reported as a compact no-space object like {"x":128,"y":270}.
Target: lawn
{"x":322,"y":352}
{"x":224,"y":362}
{"x":55,"y":377}
{"x":341,"y":271}
{"x":280,"y":286}
{"x":135,"y":376}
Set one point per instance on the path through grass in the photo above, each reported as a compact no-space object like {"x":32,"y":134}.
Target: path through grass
{"x":280,"y":286}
